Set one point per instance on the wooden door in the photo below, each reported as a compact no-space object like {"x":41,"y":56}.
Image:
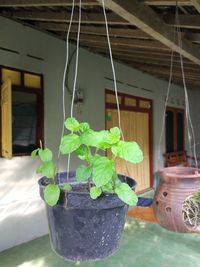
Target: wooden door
{"x":135,"y":126}
{"x":6,"y":118}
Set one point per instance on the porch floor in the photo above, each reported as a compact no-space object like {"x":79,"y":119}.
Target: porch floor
{"x":143,"y":245}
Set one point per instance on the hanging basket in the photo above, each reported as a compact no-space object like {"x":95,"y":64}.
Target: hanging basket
{"x":82,"y":229}
{"x":177,"y":184}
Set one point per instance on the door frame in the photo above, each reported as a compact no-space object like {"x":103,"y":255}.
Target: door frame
{"x":124,"y":107}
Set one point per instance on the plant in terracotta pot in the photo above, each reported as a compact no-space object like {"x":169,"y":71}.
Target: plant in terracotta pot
{"x":173,"y":195}
{"x":86,"y":208}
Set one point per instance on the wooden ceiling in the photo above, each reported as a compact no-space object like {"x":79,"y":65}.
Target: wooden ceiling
{"x":141,"y":32}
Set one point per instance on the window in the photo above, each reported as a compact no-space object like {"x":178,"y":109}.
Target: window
{"x":21,"y":112}
{"x":174,"y":131}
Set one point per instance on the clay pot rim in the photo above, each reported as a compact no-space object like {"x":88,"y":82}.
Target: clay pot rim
{"x":172,"y":172}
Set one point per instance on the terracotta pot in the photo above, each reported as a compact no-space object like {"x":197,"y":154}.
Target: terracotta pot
{"x":177,"y":183}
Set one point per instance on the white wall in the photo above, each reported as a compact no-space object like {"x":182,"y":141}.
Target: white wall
{"x":22,"y":211}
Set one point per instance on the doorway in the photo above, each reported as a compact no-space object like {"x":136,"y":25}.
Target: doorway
{"x":136,"y":119}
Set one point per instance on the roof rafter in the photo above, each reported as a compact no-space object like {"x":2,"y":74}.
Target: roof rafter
{"x":144,"y":18}
{"x":168,"y":2}
{"x":91,"y":18}
{"x":38,"y":3}
{"x":196,"y":4}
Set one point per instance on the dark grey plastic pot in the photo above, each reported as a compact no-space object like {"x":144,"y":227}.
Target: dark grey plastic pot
{"x":82,"y":229}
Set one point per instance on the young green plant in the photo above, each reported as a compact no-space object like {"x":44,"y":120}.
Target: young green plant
{"x":99,"y":170}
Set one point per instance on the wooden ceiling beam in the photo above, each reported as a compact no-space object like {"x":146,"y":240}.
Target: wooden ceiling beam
{"x":159,"y":63}
{"x":145,"y":19}
{"x":87,"y":29}
{"x":193,"y":37}
{"x":196,"y":4}
{"x":153,"y":61}
{"x":117,"y":42}
{"x":166,"y":70}
{"x":185,"y":21}
{"x":91,"y":18}
{"x":167,"y":2}
{"x":131,"y":50}
{"x":147,"y":57}
{"x":40,"y":3}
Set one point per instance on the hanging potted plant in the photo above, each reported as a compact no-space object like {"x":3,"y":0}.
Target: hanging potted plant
{"x":86,"y":208}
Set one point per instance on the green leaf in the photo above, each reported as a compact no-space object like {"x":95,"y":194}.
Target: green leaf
{"x":103,"y":170}
{"x":34,"y":153}
{"x":69,"y":143}
{"x":126,"y":194}
{"x":45,"y":154}
{"x":95,"y":192}
{"x":84,"y":126}
{"x":108,"y":188}
{"x":66,"y":187}
{"x":83,"y":153}
{"x":95,"y":139}
{"x":130,"y":151}
{"x":114,"y":135}
{"x":89,"y":138}
{"x":48,"y":169}
{"x":72,"y":124}
{"x":51,"y":194}
{"x":83,"y":173}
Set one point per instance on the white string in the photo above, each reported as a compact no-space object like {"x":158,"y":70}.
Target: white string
{"x":114,"y":79}
{"x":166,"y":102}
{"x":64,"y":78}
{"x":77,"y":57}
{"x":75,"y":78}
{"x":113,"y":69}
{"x":187,"y":106}
{"x":65,"y":70}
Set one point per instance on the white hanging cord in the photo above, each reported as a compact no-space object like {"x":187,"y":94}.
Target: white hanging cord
{"x":63,"y":83}
{"x":165,"y":107}
{"x":187,"y":106}
{"x":166,"y":100}
{"x":114,"y":79}
{"x":77,"y":58}
{"x":113,"y":69}
{"x":65,"y":71}
{"x":75,"y":78}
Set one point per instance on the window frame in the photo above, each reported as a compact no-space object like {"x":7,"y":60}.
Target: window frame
{"x":40,"y":105}
{"x":175,"y":110}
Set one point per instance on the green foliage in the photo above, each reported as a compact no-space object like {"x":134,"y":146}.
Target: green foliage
{"x":83,"y":173}
{"x":72,"y":124}
{"x":45,"y":154}
{"x":48,"y":169}
{"x":95,"y":192}
{"x":69,"y":143}
{"x":51,"y":194}
{"x":66,"y":187}
{"x":126,"y":194}
{"x":103,"y":170}
{"x":197,"y":197}
{"x":129,"y":151}
{"x":88,"y":145}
